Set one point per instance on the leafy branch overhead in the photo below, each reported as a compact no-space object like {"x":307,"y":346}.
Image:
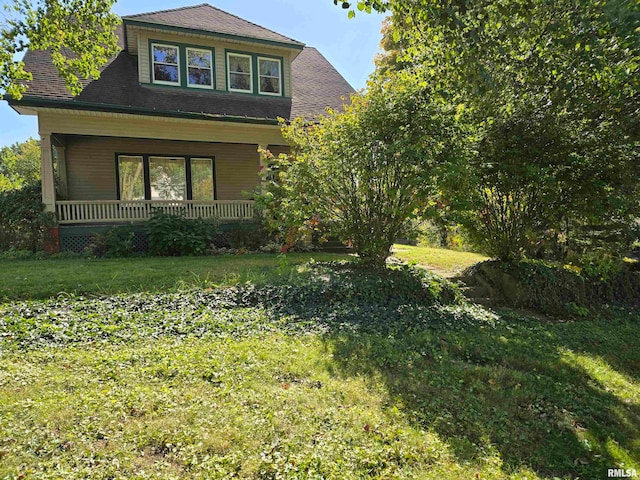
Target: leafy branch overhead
{"x":80,"y":34}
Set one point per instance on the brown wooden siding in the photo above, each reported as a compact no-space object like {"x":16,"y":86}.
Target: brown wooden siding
{"x":91,"y":173}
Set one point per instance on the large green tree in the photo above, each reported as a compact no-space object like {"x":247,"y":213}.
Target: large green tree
{"x":362,"y":173}
{"x":79,"y":33}
{"x":19,"y":164}
{"x":549,"y":93}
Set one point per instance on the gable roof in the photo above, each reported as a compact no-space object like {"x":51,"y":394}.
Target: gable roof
{"x":207,"y":18}
{"x":316,"y":85}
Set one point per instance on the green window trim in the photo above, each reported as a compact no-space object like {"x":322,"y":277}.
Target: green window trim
{"x":255,"y":76}
{"x":183,"y":65}
{"x":146,"y":174}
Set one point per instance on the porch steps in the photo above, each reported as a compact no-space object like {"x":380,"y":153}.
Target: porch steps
{"x":475,"y":290}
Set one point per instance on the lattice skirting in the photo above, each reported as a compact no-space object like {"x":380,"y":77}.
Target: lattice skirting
{"x":74,"y":238}
{"x":79,"y":238}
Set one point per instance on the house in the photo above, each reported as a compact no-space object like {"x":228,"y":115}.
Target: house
{"x":174,"y":121}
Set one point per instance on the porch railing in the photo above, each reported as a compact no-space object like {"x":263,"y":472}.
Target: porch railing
{"x":113,"y":211}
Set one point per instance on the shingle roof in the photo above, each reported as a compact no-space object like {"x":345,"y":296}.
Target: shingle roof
{"x":316,"y":85}
{"x":208,"y":18}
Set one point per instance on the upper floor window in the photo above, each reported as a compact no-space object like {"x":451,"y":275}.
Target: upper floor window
{"x":200,"y":68}
{"x":270,"y":76}
{"x":166,"y":64}
{"x":240,"y":72}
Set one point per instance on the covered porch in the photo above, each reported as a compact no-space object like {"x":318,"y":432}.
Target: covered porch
{"x":117,"y":180}
{"x":83,"y":212}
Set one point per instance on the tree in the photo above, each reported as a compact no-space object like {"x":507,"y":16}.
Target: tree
{"x":19,"y":164}
{"x":549,"y":95}
{"x":79,"y":33}
{"x":360,"y":174}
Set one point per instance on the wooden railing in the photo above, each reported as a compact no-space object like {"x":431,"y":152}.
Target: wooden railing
{"x":112,"y":211}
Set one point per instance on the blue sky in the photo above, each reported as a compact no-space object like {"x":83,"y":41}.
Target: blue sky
{"x":349,"y":45}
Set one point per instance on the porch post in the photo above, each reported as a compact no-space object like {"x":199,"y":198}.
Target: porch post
{"x":263,"y":164}
{"x":46,"y":172}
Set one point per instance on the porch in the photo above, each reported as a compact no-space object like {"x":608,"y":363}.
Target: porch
{"x":137,"y":211}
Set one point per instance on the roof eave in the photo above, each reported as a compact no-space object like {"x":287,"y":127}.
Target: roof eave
{"x":107,"y":108}
{"x":227,"y":36}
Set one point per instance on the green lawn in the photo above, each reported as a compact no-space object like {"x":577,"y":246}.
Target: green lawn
{"x":308,"y":380}
{"x":103,"y":276}
{"x":441,"y":260}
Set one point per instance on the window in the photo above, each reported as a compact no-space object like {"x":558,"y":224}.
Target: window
{"x":168,"y":178}
{"x":131,"y":176}
{"x":155,"y":177}
{"x":270,"y":76}
{"x":200,"y":68}
{"x":166,"y":64}
{"x":240,"y":72}
{"x":202,"y":179}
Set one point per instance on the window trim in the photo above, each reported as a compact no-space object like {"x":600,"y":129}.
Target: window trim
{"x":255,"y":77}
{"x":280,"y":82}
{"x":213,"y":177}
{"x":211,"y":67}
{"x":229,"y":72}
{"x":167,"y":157}
{"x":153,"y":65}
{"x":118,"y":176}
{"x":147,"y":176}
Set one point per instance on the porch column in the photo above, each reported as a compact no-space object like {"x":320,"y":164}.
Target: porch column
{"x":263,"y":164}
{"x":46,"y":172}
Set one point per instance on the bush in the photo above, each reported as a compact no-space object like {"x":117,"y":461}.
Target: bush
{"x":558,"y":289}
{"x":359,"y":174}
{"x":116,"y":242}
{"x":23,"y":222}
{"x":248,"y":236}
{"x":174,"y":235}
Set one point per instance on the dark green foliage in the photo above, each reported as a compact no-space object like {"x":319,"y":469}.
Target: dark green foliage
{"x":355,"y":284}
{"x":547,"y":95}
{"x":116,"y":242}
{"x":248,"y":236}
{"x":559,"y":290}
{"x":23,"y":223}
{"x":403,"y":294}
{"x":174,"y":235}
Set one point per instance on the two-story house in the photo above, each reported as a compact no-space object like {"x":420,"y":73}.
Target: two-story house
{"x":174,"y":121}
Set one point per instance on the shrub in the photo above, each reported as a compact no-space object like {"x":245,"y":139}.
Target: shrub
{"x":116,"y":242}
{"x":360,"y":174}
{"x":23,"y":222}
{"x":248,"y":236}
{"x":174,"y":235}
{"x":558,"y":289}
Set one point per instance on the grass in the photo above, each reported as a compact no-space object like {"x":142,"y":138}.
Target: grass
{"x":23,"y":279}
{"x":311,"y":380}
{"x":441,"y":260}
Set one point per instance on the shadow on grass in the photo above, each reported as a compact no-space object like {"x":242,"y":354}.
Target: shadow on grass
{"x":559,"y":398}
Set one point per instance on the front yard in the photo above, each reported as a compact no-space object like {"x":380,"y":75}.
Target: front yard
{"x":326,"y":376}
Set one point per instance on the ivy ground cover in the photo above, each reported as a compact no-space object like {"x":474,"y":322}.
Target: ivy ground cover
{"x":338,"y":373}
